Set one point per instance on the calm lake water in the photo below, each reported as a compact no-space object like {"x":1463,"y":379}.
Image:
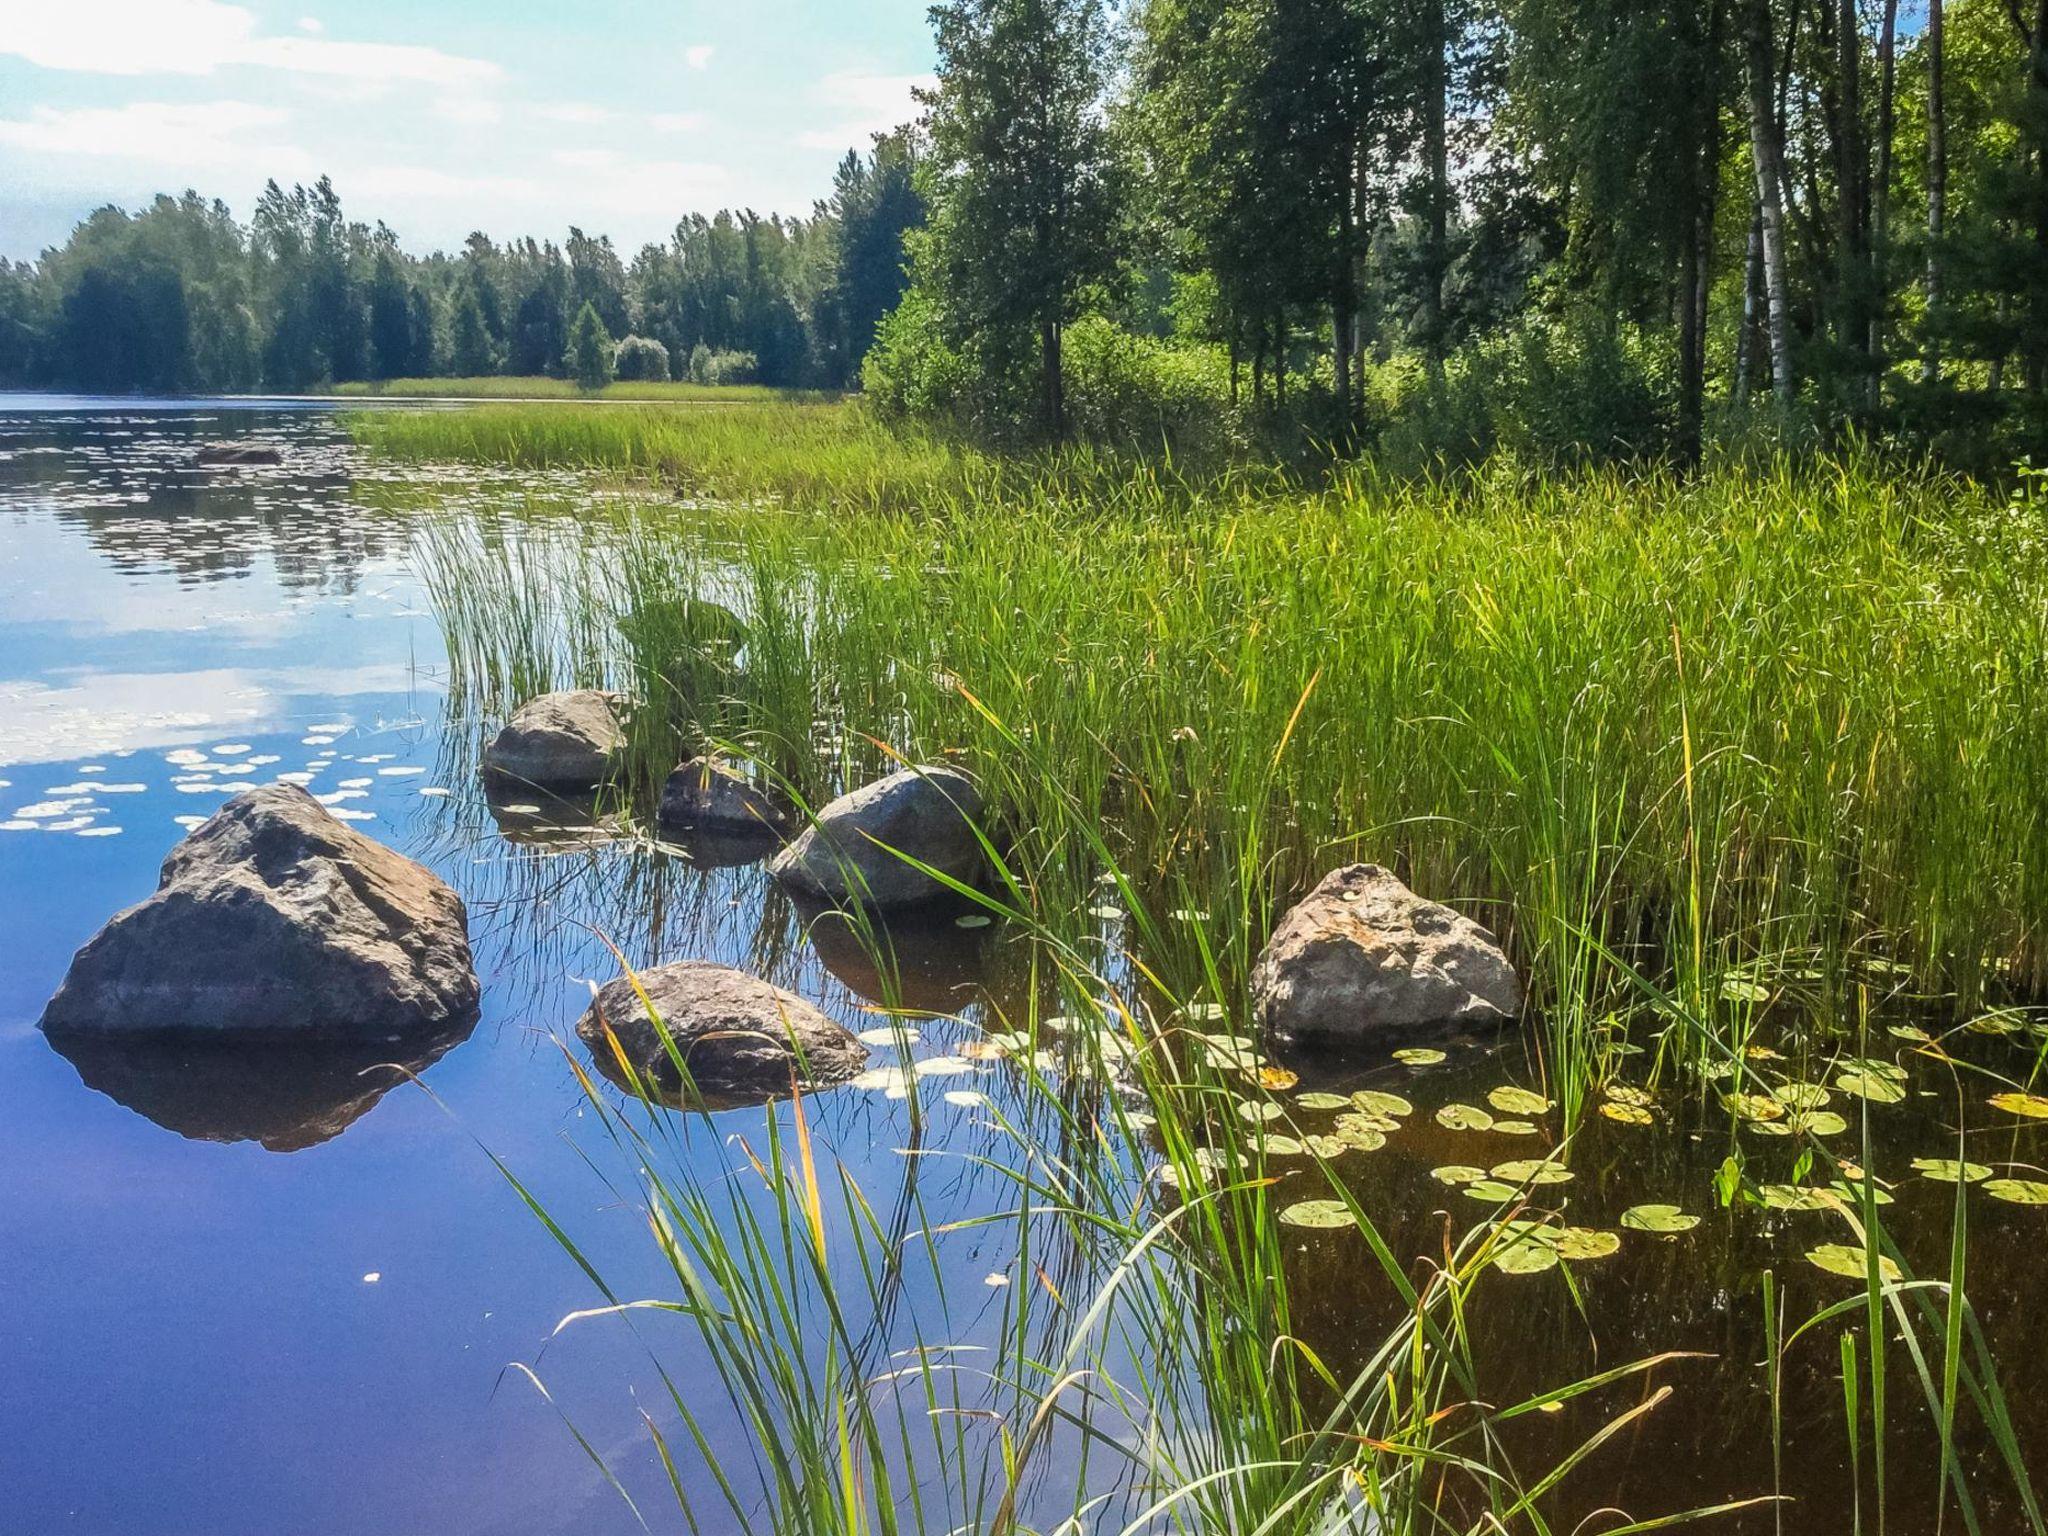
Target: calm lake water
{"x":248,"y":1293}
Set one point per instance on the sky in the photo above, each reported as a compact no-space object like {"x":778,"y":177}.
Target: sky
{"x":443,"y":116}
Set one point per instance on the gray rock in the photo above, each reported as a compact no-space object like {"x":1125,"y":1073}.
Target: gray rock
{"x":1362,"y":954}
{"x":712,"y":797}
{"x":272,"y":918}
{"x":238,"y":453}
{"x":845,"y":856}
{"x":742,"y":1038}
{"x":567,"y":740}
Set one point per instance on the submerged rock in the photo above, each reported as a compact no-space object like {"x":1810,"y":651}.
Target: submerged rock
{"x":742,"y":1039}
{"x":569,"y":740}
{"x":1362,"y":954}
{"x":238,"y":453}
{"x":929,"y":814}
{"x":711,"y":796}
{"x":274,"y":918}
{"x":912,"y":960}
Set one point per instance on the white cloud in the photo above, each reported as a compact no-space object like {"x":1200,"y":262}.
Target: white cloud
{"x":866,"y":104}
{"x":676,"y":122}
{"x":197,"y":37}
{"x":468,"y":110}
{"x":311,"y":24}
{"x":698,"y":55}
{"x":196,"y":134}
{"x":578,"y":112}
{"x":371,"y":182}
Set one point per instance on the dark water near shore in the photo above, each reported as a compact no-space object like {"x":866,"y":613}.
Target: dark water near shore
{"x":247,"y":1292}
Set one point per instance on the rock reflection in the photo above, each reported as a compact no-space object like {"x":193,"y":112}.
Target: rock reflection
{"x":284,"y":1095}
{"x":916,"y":962}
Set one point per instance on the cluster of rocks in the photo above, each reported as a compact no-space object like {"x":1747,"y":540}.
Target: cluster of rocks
{"x":272,"y":920}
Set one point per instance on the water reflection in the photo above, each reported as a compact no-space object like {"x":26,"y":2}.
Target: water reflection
{"x":284,"y":1095}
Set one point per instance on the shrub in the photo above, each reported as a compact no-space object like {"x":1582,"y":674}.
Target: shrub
{"x":709,"y":367}
{"x":641,"y":361}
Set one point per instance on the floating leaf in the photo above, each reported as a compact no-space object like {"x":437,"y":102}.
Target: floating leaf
{"x":1418,"y":1056}
{"x":1761,"y":1053}
{"x":2018,"y":1191}
{"x":1821,"y":1122}
{"x":1587,"y":1243}
{"x":887,"y":1036}
{"x":1277,"y":1079}
{"x":1622,"y":1093}
{"x":1908,"y":1032}
{"x":1532,"y":1170}
{"x":2032,"y":1105}
{"x":966,"y":1098}
{"x":1627,"y":1114}
{"x":1463,"y":1117}
{"x":973,"y":920}
{"x":1391,"y":1105}
{"x":1517,"y":1101}
{"x":1283,"y":1146}
{"x":1800,"y":1095}
{"x":1361,"y":1132}
{"x":1658,"y":1218}
{"x":1866,"y":1085}
{"x":1107,"y":914}
{"x":1319,"y":1213}
{"x":1734,"y":989}
{"x":944,"y":1066}
{"x":1526,"y":1257}
{"x":1254,"y":1111}
{"x":1322,"y":1101}
{"x":1516,"y":1127}
{"x":1946,"y":1170}
{"x":1327,"y":1147}
{"x":1798,"y":1197}
{"x":1756,"y":1108}
{"x":1455,"y":1174}
{"x":1491,"y":1189}
{"x":1872,"y":1066}
{"x":2002,"y":1021}
{"x":1849,"y":1262}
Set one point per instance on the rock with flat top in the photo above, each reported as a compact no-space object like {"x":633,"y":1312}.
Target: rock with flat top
{"x":710,"y":796}
{"x":273,"y":918}
{"x":1362,"y":955}
{"x":570,"y":740}
{"x":742,"y":1039}
{"x":853,"y":852}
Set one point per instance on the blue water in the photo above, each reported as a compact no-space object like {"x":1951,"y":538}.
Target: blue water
{"x":244,"y":1304}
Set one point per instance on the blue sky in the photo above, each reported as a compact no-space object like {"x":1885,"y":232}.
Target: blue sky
{"x":443,"y":116}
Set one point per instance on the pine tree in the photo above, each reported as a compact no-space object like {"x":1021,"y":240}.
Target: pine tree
{"x":589,"y":354}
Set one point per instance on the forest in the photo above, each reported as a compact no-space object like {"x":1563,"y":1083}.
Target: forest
{"x":1564,"y":229}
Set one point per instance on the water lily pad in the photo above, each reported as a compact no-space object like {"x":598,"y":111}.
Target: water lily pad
{"x":1322,"y":1101}
{"x":1622,"y":1093}
{"x":1516,"y":1127}
{"x":1277,"y":1079}
{"x":887,"y":1036}
{"x":1587,"y":1243}
{"x":1532,"y":1170}
{"x":2018,"y":1191}
{"x":972,"y":920}
{"x":1418,"y":1056}
{"x":1908,"y":1032}
{"x":1327,"y":1147}
{"x":1737,"y":989}
{"x":2031,"y":1105}
{"x":1455,"y":1174}
{"x":2001,"y":1021}
{"x":1282,"y":1146}
{"x":1798,"y":1197}
{"x":944,"y":1066}
{"x":1318,"y":1213}
{"x":1463,"y":1117}
{"x":1256,"y":1111}
{"x":1518,"y":1101}
{"x":1658,"y":1218}
{"x":1866,"y":1085}
{"x":1391,"y":1105}
{"x":1849,"y":1262}
{"x":1490,"y":1189}
{"x":1946,"y":1170}
{"x":1757,"y":1108}
{"x":1627,"y":1114}
{"x":1800,"y":1095}
{"x":1525,"y":1258}
{"x":966,"y":1098}
{"x":1361,"y":1132}
{"x":1107,"y":914}
{"x":1872,"y":1066}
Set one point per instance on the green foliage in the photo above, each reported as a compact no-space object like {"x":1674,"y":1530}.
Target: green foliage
{"x":589,"y":354}
{"x":640,"y":360}
{"x":719,"y":368}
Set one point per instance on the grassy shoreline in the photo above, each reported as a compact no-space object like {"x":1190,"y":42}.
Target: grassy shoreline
{"x":540,"y":387}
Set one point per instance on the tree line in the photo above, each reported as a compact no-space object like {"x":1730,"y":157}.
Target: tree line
{"x":180,"y":297}
{"x":1568,"y":223}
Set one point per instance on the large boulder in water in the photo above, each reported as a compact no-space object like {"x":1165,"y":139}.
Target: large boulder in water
{"x":710,"y":796}
{"x":569,"y":740}
{"x":853,"y":852}
{"x":743,"y":1039}
{"x":273,"y":918}
{"x":1363,"y":955}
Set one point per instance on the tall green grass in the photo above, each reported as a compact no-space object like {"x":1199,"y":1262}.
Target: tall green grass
{"x":538,"y":387}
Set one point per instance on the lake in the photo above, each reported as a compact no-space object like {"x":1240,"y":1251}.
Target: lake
{"x":268,"y":1289}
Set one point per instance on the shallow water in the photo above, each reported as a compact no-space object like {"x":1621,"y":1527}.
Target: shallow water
{"x":250,"y":1291}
